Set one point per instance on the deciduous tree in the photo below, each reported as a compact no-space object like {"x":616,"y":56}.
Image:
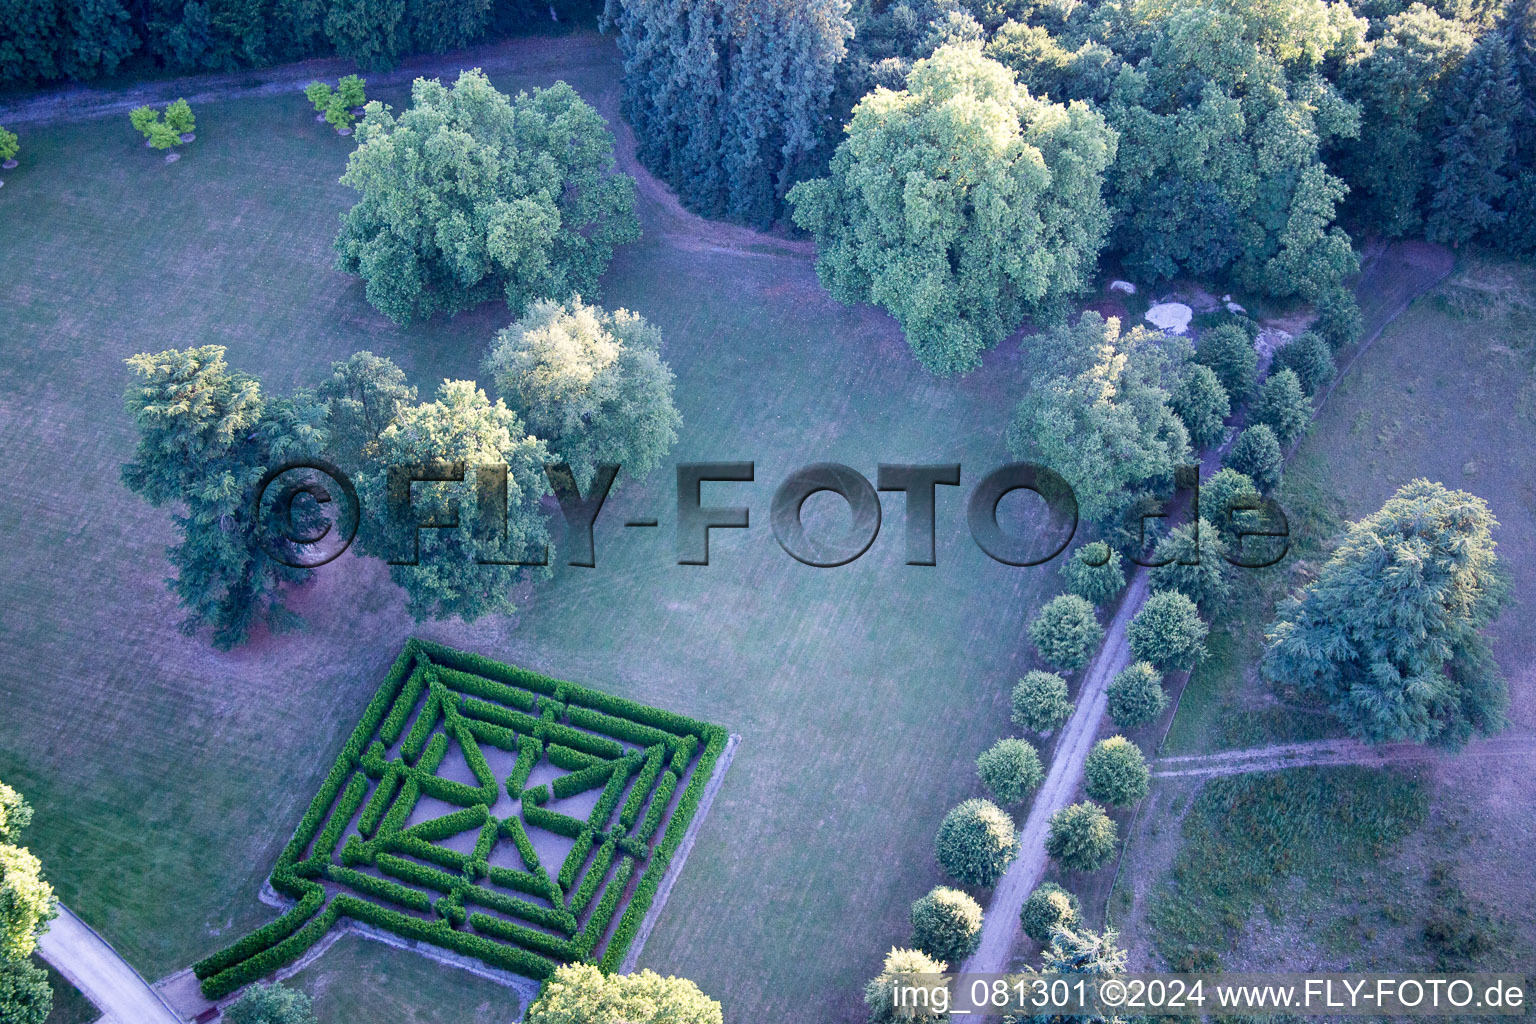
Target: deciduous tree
{"x":1048,"y":908}
{"x":1115,"y":772}
{"x":1066,"y":632}
{"x":583,"y":994}
{"x":1167,"y":631}
{"x":946,"y":924}
{"x":1081,"y":837}
{"x":1011,"y":770}
{"x":976,"y":842}
{"x":1040,"y":701}
{"x":1136,"y":696}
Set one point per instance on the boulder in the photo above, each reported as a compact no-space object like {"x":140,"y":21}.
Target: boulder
{"x":1172,"y":317}
{"x":1122,"y":286}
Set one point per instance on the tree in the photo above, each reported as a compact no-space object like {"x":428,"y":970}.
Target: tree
{"x":271,"y":1004}
{"x":26,"y":903}
{"x":1101,"y":416}
{"x":1048,"y":908}
{"x":591,"y":383}
{"x":1040,"y":701}
{"x":1010,"y":769}
{"x":1477,"y":144}
{"x":976,"y":842}
{"x":1081,"y":837}
{"x":1136,"y":695}
{"x":25,"y":997}
{"x":946,"y":924}
{"x":319,"y":95}
{"x":1066,"y":632}
{"x":960,"y":204}
{"x":469,"y":195}
{"x":1225,"y":499}
{"x":1307,"y":356}
{"x":1167,"y":631}
{"x":15,"y":814}
{"x":1283,"y":406}
{"x":1202,"y":404}
{"x":731,"y":102}
{"x":371,"y":33}
{"x":880,"y":994}
{"x":1076,"y":950}
{"x":206,"y":436}
{"x":1228,"y":350}
{"x":362,"y":397}
{"x":1256,"y":454}
{"x":1094,"y":573}
{"x":1194,"y":564}
{"x":1116,"y":773}
{"x":8,"y":146}
{"x":178,"y":117}
{"x":1389,"y":632}
{"x":584,"y":994}
{"x":469,"y":570}
{"x":1338,"y":318}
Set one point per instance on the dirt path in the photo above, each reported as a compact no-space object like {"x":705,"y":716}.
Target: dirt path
{"x":93,"y":967}
{"x":1335,"y":752}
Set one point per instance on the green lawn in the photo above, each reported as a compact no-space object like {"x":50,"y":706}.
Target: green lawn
{"x":167,"y":775}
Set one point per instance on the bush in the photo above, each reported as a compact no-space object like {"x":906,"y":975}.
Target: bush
{"x":178,"y":117}
{"x":1167,"y":631}
{"x":1066,"y":632}
{"x":1082,"y":838}
{"x":350,"y":89}
{"x":1195,"y":565}
{"x":1136,"y":696}
{"x":1049,"y":907}
{"x":1116,"y":772}
{"x":1040,"y":701}
{"x":1307,"y":355}
{"x":1257,"y":455}
{"x":319,"y":95}
{"x":8,"y":145}
{"x":946,"y":924}
{"x":270,"y":1004}
{"x":1010,"y":770}
{"x":1094,"y":573}
{"x":1338,"y":318}
{"x":1201,"y":402}
{"x":1283,"y":406}
{"x":976,"y":842}
{"x":1228,"y":350}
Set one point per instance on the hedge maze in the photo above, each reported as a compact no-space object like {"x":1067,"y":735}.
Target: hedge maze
{"x":490,"y":811}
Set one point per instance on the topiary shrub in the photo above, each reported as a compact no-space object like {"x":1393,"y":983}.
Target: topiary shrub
{"x":1081,"y":838}
{"x":1257,"y":455}
{"x":1307,"y":356}
{"x":1066,"y":632}
{"x":1094,"y":573}
{"x":946,"y":924}
{"x":1049,"y":907}
{"x":1167,"y":631}
{"x":1116,"y":772}
{"x":1040,"y":701}
{"x":976,"y":842}
{"x":1136,"y":696}
{"x":1010,"y":770}
{"x":1283,"y":406}
{"x":1202,"y":403}
{"x":1228,"y":350}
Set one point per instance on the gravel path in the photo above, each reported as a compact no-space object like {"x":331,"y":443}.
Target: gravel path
{"x":93,"y":967}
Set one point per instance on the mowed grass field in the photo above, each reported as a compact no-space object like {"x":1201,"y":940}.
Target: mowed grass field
{"x":167,"y":775}
{"x":1447,"y":392}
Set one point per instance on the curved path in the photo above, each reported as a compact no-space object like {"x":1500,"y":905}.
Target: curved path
{"x":1334,"y":752}
{"x":74,"y":949}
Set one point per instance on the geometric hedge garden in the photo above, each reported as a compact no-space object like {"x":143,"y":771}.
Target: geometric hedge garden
{"x":491,"y":811}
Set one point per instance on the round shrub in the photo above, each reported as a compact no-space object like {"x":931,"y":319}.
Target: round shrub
{"x":1011,"y":770}
{"x":1228,"y":350}
{"x":1222,"y":499}
{"x":1094,"y":573}
{"x":1040,"y":701}
{"x":1202,"y":403}
{"x":271,"y":1004}
{"x":1116,"y":772}
{"x":946,"y":924}
{"x":888,"y":994}
{"x":1256,"y":454}
{"x":1307,"y":356}
{"x":1136,"y":696}
{"x":1283,"y":406}
{"x":1195,"y":565}
{"x":1066,"y":632}
{"x":1167,"y":631}
{"x":976,"y":842}
{"x":1049,"y":907}
{"x":1082,"y":838}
